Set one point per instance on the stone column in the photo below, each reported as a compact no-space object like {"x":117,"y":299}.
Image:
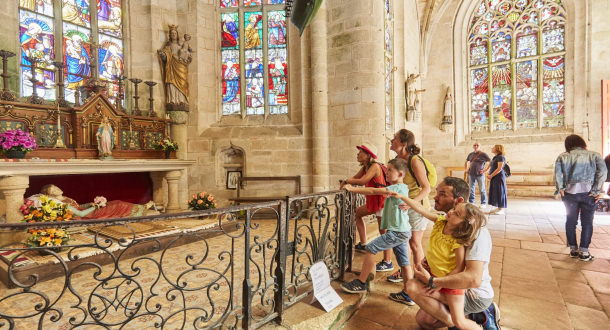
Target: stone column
{"x":157,"y":181}
{"x":172,"y":178}
{"x":12,"y":188}
{"x":178,"y":131}
{"x":319,"y":118}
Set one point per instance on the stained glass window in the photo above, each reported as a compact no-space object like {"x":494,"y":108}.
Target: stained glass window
{"x":254,"y":37}
{"x":389,"y":63}
{"x":83,"y":37}
{"x":520,"y":45}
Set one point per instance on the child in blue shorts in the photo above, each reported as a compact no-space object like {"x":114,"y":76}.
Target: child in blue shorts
{"x":394,"y":221}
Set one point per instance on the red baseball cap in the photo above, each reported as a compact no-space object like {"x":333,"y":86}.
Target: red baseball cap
{"x":369,"y":149}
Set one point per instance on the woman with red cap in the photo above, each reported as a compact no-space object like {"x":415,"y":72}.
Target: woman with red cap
{"x":370,"y":175}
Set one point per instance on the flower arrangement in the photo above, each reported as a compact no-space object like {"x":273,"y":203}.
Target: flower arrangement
{"x":49,"y":210}
{"x":100,"y":201}
{"x":202,"y":201}
{"x":17,"y":140}
{"x":167,"y":144}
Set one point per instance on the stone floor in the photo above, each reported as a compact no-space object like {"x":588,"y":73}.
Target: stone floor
{"x":537,"y":285}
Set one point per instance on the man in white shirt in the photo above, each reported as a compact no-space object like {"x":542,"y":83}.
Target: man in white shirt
{"x":475,"y":278}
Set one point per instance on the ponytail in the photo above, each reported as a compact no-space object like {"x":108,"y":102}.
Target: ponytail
{"x":408,"y":137}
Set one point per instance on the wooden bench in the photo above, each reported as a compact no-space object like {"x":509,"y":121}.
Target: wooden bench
{"x":264,"y":179}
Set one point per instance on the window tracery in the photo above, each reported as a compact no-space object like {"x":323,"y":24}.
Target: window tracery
{"x":516,"y":65}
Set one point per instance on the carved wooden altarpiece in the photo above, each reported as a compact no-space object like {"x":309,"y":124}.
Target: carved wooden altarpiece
{"x":135,"y":138}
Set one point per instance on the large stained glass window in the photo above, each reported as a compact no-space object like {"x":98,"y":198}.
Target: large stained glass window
{"x":254,"y":57}
{"x":516,"y":65}
{"x":66,"y":31}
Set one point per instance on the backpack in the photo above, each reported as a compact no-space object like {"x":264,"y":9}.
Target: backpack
{"x":384,"y":171}
{"x":430,"y":171}
{"x":506,"y":170}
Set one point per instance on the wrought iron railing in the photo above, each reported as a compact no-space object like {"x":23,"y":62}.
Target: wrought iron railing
{"x":241,"y":273}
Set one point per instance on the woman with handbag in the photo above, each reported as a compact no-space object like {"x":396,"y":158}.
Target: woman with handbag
{"x":579,"y":176}
{"x":497,"y":180}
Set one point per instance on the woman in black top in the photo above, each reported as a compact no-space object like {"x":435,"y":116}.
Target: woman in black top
{"x":497,"y":180}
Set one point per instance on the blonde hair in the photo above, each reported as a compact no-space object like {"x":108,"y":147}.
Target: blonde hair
{"x":467,"y":231}
{"x":499,"y":149}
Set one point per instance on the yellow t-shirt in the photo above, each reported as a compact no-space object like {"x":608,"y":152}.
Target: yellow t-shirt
{"x":414,"y":189}
{"x":441,"y":249}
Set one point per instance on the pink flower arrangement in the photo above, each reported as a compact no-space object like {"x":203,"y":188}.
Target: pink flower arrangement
{"x":100,"y":201}
{"x":17,"y":140}
{"x":202,"y":201}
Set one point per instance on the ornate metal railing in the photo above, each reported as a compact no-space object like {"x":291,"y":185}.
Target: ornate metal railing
{"x":242,"y":273}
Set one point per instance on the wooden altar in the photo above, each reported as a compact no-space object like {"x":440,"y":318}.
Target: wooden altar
{"x":135,"y":136}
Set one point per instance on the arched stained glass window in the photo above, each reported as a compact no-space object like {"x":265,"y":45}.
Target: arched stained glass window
{"x":516,"y":65}
{"x":43,"y":23}
{"x":254,"y":46}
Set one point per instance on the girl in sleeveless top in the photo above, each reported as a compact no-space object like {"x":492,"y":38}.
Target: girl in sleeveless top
{"x":370,"y":175}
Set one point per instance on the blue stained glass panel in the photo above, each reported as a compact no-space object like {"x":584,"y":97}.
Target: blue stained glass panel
{"x":255,"y":85}
{"x":76,"y":12}
{"x":45,"y":85}
{"x":527,"y":43}
{"x":230,"y":82}
{"x":252,"y":2}
{"x":109,"y":19}
{"x":77,"y":56}
{"x":276,"y":2}
{"x":553,"y":39}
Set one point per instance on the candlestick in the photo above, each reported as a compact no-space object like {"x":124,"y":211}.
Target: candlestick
{"x":59,"y":142}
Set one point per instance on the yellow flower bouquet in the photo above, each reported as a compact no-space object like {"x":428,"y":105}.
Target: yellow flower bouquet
{"x":46,"y":210}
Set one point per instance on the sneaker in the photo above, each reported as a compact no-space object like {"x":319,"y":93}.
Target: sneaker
{"x":395,"y":278}
{"x":574,"y":254}
{"x":359,"y":247}
{"x":355,"y":286}
{"x":402,"y":298}
{"x":384,"y":266}
{"x":493,"y":317}
{"x":585,"y":256}
{"x":499,"y":212}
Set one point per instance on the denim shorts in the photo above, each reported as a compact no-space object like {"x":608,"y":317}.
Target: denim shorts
{"x":394,"y":240}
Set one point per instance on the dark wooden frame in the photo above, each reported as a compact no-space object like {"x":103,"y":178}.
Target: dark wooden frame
{"x":229,"y":173}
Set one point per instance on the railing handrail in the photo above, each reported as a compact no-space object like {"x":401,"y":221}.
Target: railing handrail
{"x":125,"y":220}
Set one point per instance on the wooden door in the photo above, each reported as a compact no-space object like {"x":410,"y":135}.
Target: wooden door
{"x":605,"y":117}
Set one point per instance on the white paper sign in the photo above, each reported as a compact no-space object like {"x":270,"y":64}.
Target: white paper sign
{"x":322,"y":291}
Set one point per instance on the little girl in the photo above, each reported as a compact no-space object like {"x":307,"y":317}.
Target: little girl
{"x":370,"y":175}
{"x":445,"y":254}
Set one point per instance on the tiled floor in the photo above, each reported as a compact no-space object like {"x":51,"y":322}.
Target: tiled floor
{"x":537,"y":285}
